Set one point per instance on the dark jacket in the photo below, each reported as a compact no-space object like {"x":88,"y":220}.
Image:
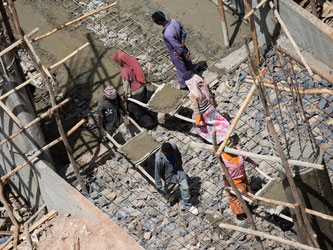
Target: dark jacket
{"x":165,"y":170}
{"x":109,"y":111}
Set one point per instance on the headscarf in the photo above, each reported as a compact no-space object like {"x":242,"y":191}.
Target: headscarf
{"x":197,"y":87}
{"x":110,"y":92}
{"x":131,"y":68}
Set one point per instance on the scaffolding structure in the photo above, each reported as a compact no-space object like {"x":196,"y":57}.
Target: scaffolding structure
{"x":259,"y":87}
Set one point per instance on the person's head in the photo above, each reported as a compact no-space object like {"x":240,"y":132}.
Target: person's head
{"x":158,"y":18}
{"x":110,"y":93}
{"x":232,"y":142}
{"x":167,"y":149}
{"x":116,"y":57}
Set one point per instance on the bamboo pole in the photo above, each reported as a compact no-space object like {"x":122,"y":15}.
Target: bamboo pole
{"x":268,"y":84}
{"x":295,"y":58}
{"x":237,"y":193}
{"x":10,"y":214}
{"x":267,"y":236}
{"x":35,"y":121}
{"x":15,"y":19}
{"x":48,"y":78}
{"x":17,"y":43}
{"x":11,"y":115}
{"x":302,"y":218}
{"x":239,"y":113}
{"x":224,"y":24}
{"x":31,"y":158}
{"x":262,"y":157}
{"x":248,"y":6}
{"x":22,"y":85}
{"x":250,"y":13}
{"x":73,"y":21}
{"x":236,"y":119}
{"x":134,"y":123}
{"x":285,"y":29}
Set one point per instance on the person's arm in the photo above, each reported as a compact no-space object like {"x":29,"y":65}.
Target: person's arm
{"x":122,"y":108}
{"x":183,"y":36}
{"x":158,"y":182}
{"x":175,"y":44}
{"x":211,"y":97}
{"x":127,"y":87}
{"x":100,"y":120}
{"x":195,"y":107}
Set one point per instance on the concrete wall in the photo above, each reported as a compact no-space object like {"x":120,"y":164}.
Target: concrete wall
{"x":309,"y":32}
{"x":316,"y":191}
{"x":61,"y":196}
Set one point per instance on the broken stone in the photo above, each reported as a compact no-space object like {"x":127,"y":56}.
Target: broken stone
{"x":111,"y":196}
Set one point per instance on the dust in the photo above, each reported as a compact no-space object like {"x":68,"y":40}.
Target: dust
{"x":139,"y":147}
{"x":166,"y":99}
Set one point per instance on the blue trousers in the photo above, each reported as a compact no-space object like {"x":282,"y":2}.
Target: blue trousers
{"x":184,"y":191}
{"x":182,"y":66}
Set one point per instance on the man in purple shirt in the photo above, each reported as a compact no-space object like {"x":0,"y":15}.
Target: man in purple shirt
{"x":174,"y":37}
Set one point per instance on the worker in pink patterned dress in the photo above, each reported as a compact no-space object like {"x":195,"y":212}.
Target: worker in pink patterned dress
{"x":206,"y":116}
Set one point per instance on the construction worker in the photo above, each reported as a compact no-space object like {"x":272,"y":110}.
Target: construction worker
{"x":235,"y":166}
{"x":134,"y":81}
{"x":174,"y":37}
{"x":110,"y":109}
{"x":168,"y":166}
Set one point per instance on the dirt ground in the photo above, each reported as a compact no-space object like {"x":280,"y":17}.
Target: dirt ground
{"x":64,"y":231}
{"x":85,"y":75}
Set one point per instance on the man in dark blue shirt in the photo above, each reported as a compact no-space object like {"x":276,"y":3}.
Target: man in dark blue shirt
{"x":168,"y":166}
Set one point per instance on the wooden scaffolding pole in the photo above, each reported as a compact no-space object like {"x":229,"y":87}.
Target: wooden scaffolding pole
{"x":10,"y":214}
{"x":35,"y":155}
{"x":302,"y":218}
{"x":47,"y":77}
{"x":22,"y":85}
{"x":267,"y":236}
{"x":239,"y":115}
{"x":225,"y":31}
{"x":269,"y":84}
{"x":261,"y":157}
{"x":73,"y":21}
{"x":237,"y":193}
{"x":250,"y":13}
{"x":35,"y":121}
{"x":248,"y":6}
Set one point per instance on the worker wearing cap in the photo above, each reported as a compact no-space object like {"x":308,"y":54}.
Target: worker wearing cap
{"x":174,"y":37}
{"x":110,"y":109}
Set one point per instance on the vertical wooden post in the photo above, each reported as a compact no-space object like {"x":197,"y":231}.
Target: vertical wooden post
{"x":302,"y":218}
{"x":237,"y":193}
{"x":47,"y":77}
{"x":248,"y":7}
{"x":10,"y":214}
{"x":225,"y":31}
